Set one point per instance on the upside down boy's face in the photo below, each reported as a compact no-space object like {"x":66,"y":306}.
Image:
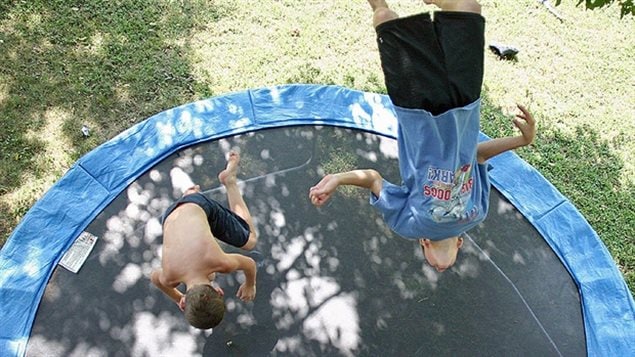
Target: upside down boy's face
{"x":441,"y":255}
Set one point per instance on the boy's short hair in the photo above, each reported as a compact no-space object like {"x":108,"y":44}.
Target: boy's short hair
{"x":204,"y":307}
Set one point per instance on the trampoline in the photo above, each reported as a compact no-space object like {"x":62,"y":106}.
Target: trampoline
{"x":533,"y":279}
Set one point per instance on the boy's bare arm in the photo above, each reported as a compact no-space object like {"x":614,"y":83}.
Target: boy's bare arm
{"x":247,"y":290}
{"x":491,"y":148}
{"x":369,"y":179}
{"x":323,"y":191}
{"x":525,"y":122}
{"x":170,"y":290}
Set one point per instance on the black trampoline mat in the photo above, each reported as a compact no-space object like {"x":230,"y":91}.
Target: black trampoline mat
{"x":332,"y":281}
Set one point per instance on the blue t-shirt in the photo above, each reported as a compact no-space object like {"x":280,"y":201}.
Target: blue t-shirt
{"x":444,"y":191}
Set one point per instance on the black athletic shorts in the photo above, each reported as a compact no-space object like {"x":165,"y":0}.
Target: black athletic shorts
{"x":433,"y":65}
{"x":224,"y":224}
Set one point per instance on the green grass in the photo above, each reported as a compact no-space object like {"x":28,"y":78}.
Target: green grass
{"x":111,"y":64}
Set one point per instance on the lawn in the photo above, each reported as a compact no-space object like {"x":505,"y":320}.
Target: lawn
{"x":111,"y":64}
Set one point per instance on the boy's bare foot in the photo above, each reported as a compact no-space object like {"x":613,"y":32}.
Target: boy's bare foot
{"x":228,"y":176}
{"x":375,"y":4}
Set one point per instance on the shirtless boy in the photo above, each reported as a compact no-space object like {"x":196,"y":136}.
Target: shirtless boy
{"x":192,"y":256}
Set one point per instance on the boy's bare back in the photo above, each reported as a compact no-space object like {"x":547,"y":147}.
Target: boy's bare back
{"x":189,"y":249}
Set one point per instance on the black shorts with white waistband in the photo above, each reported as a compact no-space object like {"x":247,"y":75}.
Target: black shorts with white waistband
{"x":224,"y":224}
{"x":433,"y":65}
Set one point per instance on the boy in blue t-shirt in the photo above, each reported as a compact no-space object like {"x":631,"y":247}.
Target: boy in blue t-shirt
{"x":433,"y":71}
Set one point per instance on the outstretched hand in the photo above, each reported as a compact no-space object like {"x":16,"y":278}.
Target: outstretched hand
{"x":246,"y":292}
{"x":526,"y":123}
{"x":322,"y":192}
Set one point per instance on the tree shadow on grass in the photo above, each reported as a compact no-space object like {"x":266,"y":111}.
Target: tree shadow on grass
{"x":591,"y":169}
{"x":107,"y":65}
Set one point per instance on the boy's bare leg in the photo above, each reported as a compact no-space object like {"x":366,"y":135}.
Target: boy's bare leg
{"x":381,"y":12}
{"x":456,"y":5}
{"x":235,"y":199}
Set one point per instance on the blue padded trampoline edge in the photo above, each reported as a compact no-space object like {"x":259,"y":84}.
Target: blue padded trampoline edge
{"x":596,"y":311}
{"x":597,"y":343}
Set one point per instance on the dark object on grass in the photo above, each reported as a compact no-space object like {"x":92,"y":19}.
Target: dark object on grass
{"x":505,"y":52}
{"x":85,"y":131}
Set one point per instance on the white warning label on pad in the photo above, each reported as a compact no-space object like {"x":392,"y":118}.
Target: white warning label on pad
{"x":75,"y":257}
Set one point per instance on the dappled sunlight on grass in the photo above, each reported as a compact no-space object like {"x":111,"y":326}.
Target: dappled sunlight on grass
{"x":4,"y":91}
{"x":56,"y":145}
{"x":122,"y":93}
{"x":96,"y":44}
{"x":575,"y":73}
{"x":106,"y":65}
{"x":284,"y":51}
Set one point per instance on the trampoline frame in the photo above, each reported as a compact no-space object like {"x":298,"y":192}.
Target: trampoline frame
{"x":46,"y":232}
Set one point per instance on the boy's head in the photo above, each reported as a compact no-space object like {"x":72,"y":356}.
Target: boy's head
{"x":441,"y":254}
{"x":204,"y":307}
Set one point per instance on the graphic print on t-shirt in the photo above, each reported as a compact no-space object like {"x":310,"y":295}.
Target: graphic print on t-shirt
{"x":450,"y":193}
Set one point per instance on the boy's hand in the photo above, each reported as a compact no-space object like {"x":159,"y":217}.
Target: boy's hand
{"x":246,"y":292}
{"x":526,"y":123}
{"x":219,"y":290}
{"x":322,"y":192}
